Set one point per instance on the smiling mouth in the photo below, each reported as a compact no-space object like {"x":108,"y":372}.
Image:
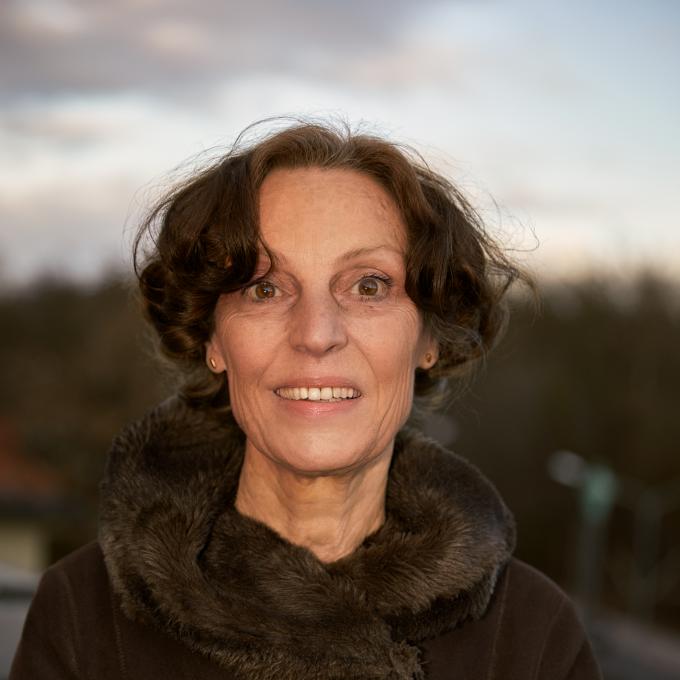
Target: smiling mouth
{"x":328,"y":394}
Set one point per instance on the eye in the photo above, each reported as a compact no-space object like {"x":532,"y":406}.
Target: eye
{"x":373,"y":286}
{"x":260,"y":291}
{"x":368,"y":287}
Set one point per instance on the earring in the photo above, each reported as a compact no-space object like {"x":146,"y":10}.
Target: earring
{"x":213,"y":364}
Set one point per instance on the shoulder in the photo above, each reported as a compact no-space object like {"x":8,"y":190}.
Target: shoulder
{"x":73,"y":598}
{"x":75,"y":628}
{"x":80,"y":575}
{"x":535,"y":615}
{"x":86,"y":560}
{"x":82,"y":571}
{"x":531,"y":604}
{"x":529,"y":592}
{"x":531,"y":629}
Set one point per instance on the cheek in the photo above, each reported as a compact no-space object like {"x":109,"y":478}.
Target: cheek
{"x":245,"y":348}
{"x":242,"y":340}
{"x":391,"y":344}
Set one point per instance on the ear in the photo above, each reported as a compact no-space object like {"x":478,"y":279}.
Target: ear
{"x":213,"y":357}
{"x":430,"y":353}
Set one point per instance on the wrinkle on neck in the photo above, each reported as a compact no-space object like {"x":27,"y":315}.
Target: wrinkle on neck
{"x":330,"y":515}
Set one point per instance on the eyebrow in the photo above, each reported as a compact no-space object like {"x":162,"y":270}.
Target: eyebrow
{"x":359,"y":252}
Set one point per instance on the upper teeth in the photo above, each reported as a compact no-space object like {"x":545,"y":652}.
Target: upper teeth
{"x":318,"y":393}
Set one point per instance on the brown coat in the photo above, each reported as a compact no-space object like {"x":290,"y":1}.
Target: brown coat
{"x":180,"y":585}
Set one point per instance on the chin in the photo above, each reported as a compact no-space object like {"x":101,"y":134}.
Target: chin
{"x":321,"y":455}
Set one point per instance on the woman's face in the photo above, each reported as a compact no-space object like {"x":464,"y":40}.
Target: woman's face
{"x":320,"y":352}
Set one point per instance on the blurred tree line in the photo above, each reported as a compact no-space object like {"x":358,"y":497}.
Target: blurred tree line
{"x":595,"y":371}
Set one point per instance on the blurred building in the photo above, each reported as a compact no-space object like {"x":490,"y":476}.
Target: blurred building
{"x":32,"y":498}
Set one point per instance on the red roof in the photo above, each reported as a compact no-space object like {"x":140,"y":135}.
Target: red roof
{"x":21,"y":477}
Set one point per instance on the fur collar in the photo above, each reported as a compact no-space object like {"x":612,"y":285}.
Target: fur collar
{"x":183,"y":559}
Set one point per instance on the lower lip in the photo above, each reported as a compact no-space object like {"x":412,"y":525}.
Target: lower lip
{"x":305,"y":407}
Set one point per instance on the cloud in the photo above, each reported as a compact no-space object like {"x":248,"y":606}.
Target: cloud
{"x":55,"y":46}
{"x":97,"y":98}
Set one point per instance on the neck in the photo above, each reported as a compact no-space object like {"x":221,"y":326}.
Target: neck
{"x":328,"y":514}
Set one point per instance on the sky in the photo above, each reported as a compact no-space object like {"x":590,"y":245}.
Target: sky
{"x":559,"y":119}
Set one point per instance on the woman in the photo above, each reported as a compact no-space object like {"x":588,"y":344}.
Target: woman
{"x":277,"y":519}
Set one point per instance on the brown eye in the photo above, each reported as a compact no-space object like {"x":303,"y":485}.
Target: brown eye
{"x":368,"y":287}
{"x":264,"y":290}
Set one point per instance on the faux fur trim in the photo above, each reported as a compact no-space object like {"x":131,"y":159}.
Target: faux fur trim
{"x":183,"y":559}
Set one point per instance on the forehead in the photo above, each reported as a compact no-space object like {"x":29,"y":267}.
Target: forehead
{"x":328,"y":212}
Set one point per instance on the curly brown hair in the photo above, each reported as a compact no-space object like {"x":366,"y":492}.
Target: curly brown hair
{"x":205,"y":239}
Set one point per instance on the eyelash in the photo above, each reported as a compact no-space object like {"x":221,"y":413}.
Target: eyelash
{"x":386,"y":280}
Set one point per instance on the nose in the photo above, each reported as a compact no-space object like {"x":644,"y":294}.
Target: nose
{"x":317,"y":326}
